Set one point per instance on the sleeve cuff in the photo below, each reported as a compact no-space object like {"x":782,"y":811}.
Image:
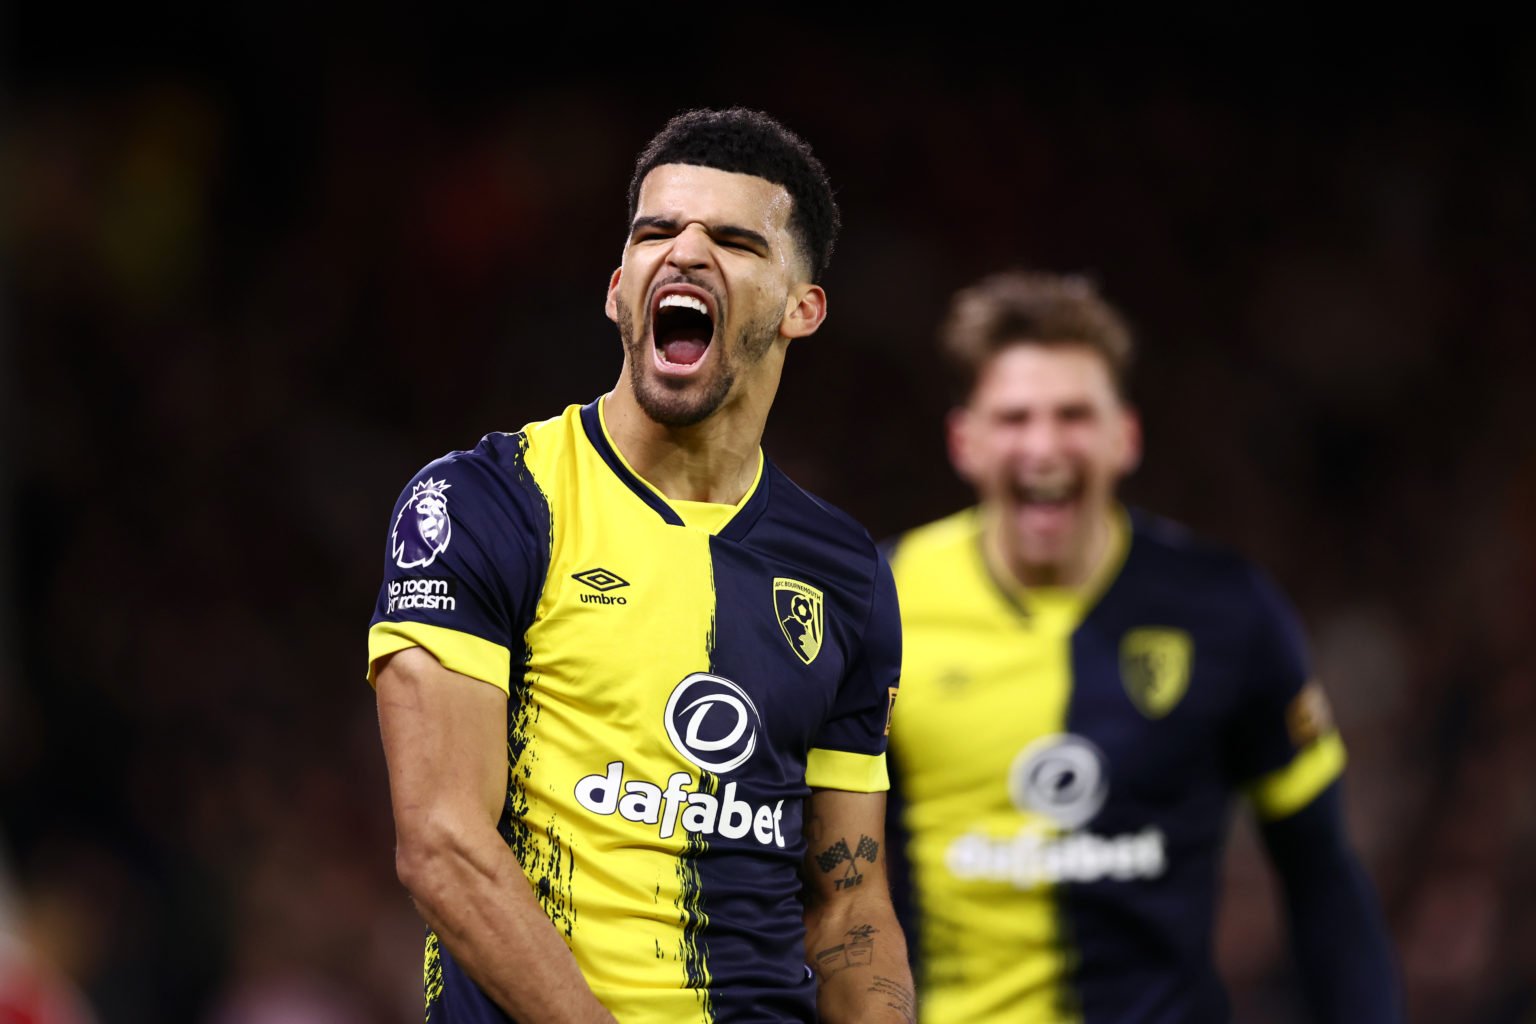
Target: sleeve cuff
{"x":839,"y":769}
{"x":1287,"y":790}
{"x":464,"y":653}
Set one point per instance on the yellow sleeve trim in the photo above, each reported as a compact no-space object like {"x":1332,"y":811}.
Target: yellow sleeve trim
{"x":1287,"y":790}
{"x":838,"y":769}
{"x":464,"y":653}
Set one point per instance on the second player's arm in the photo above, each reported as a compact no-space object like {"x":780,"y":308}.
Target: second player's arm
{"x":1337,"y":932}
{"x":853,"y":941}
{"x":445,"y":741}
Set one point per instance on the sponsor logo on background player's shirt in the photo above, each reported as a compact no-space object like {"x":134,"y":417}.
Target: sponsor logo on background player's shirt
{"x":1062,"y":779}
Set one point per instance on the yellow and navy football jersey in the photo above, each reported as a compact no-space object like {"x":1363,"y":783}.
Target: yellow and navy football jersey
{"x":679,"y":675}
{"x":1065,"y":762}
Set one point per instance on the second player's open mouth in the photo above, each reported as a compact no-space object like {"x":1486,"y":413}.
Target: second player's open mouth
{"x":683,"y":326}
{"x":1047,"y":505}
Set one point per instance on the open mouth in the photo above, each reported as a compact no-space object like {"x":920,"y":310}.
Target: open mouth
{"x":682,"y":326}
{"x":1057,"y":496}
{"x":1050,"y":494}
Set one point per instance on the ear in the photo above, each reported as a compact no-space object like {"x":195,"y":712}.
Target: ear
{"x":1130,"y":440}
{"x":804,"y":311}
{"x":957,"y":433}
{"x":611,"y":305}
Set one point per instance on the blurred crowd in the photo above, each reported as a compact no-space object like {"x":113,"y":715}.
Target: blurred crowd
{"x":247,"y":294}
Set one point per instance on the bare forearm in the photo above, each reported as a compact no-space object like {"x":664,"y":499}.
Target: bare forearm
{"x":474,"y":896}
{"x":859,"y":955}
{"x":445,"y":741}
{"x":853,"y":940}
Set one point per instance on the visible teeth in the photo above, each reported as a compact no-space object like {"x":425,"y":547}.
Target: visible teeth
{"x":683,"y":302}
{"x":1054,"y":492}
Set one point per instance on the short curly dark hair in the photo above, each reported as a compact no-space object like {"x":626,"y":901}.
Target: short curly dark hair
{"x":1018,"y":307}
{"x":746,"y":141}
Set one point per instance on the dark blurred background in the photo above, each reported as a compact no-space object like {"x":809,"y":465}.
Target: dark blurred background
{"x":259,"y":269}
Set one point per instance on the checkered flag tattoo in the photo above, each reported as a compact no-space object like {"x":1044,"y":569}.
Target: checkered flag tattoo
{"x":831,"y":858}
{"x":868,"y":848}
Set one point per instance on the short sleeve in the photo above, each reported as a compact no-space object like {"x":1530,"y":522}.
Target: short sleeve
{"x":465,"y":557}
{"x":849,"y":753}
{"x":1286,"y":749}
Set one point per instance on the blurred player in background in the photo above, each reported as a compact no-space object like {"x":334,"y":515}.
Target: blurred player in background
{"x":1085,"y":688}
{"x":632,"y":681}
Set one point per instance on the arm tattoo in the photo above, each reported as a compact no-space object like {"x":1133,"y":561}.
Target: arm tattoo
{"x":897,"y":996}
{"x":839,"y":852}
{"x":833,"y":855}
{"x":857,"y":950}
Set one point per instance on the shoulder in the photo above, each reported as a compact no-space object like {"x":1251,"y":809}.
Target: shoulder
{"x":807,"y":531}
{"x":819,"y":524}
{"x":466,"y":479}
{"x":1168,"y":556}
{"x":501,"y":457}
{"x":495,"y":486}
{"x":1173,"y":545}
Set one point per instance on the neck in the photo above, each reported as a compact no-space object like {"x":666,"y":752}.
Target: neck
{"x":1073,"y":571}
{"x":715,"y":460}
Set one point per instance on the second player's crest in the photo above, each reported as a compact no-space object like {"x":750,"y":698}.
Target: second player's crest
{"x":1155,"y":663}
{"x":798,"y":607}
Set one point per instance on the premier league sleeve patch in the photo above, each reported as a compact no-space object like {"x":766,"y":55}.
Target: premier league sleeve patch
{"x":423,"y":528}
{"x":464,"y":561}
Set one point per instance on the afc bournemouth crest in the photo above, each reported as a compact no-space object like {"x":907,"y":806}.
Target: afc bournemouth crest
{"x":798,"y":607}
{"x":422,"y":529}
{"x":1154,"y":666}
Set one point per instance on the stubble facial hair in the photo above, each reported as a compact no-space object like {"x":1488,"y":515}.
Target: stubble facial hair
{"x":681,"y":404}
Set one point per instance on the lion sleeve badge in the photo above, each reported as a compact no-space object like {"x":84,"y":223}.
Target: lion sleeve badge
{"x":423,"y":528}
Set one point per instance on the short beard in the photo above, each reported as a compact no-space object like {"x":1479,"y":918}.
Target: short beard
{"x":688,"y":403}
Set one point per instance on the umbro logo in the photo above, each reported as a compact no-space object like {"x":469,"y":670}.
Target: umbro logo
{"x":602,"y":581}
